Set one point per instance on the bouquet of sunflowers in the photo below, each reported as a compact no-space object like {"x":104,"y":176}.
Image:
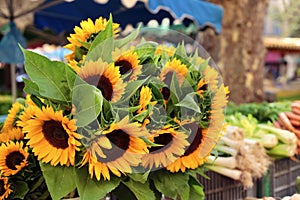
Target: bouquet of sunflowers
{"x":119,"y":119}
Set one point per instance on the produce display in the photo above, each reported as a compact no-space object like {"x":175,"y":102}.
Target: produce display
{"x":255,"y":136}
{"x":290,"y":120}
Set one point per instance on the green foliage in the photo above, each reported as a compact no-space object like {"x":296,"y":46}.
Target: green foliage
{"x":172,"y":185}
{"x":88,"y":101}
{"x":54,"y":79}
{"x":263,"y":112}
{"x":60,"y":180}
{"x":91,"y":189}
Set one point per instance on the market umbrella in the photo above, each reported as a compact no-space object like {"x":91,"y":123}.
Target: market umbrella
{"x":66,"y":15}
{"x":10,"y":52}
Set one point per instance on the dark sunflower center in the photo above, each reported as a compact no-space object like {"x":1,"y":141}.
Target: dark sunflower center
{"x":102,"y":84}
{"x":13,"y":159}
{"x":195,"y":138}
{"x":121,"y":141}
{"x":55,"y":134}
{"x":125,"y":66}
{"x":165,"y":91}
{"x":163,"y":139}
{"x":203,"y":87}
{"x":2,"y":187}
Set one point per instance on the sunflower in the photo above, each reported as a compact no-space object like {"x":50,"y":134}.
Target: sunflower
{"x":86,"y":33}
{"x":173,"y":144}
{"x":145,"y":99}
{"x":162,"y":49}
{"x":116,"y":150}
{"x":128,"y":62}
{"x":12,"y":134}
{"x":202,"y":86}
{"x":191,"y":159}
{"x":12,"y":116}
{"x":203,"y":140}
{"x":13,"y":158}
{"x":52,"y":137}
{"x":4,"y":188}
{"x":106,"y":77}
{"x":173,"y":66}
{"x":211,"y":77}
{"x":26,"y":115}
{"x":75,"y":65}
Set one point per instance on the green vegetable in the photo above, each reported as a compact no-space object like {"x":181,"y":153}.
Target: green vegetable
{"x":284,"y":136}
{"x":282,"y":150}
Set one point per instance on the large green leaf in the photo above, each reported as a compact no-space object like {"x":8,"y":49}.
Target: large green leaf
{"x":103,"y":44}
{"x":196,"y":189}
{"x":141,"y":191}
{"x":103,"y":35}
{"x":88,"y":101}
{"x":54,"y":79}
{"x":103,"y":50}
{"x":170,"y":184}
{"x":60,"y":180}
{"x":90,"y":189}
{"x":139,"y":177}
{"x":31,"y":87}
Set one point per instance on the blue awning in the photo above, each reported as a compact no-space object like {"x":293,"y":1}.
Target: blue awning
{"x":10,"y":51}
{"x":66,"y":15}
{"x":201,"y":12}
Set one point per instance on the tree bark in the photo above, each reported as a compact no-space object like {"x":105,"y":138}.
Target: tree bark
{"x":239,"y":50}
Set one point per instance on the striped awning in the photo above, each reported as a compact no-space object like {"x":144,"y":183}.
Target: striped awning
{"x":282,"y":43}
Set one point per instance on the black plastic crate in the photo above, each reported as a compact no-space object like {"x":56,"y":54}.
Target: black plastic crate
{"x":221,"y":187}
{"x":280,"y":180}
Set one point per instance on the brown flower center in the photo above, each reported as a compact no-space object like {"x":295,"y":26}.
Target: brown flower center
{"x":2,"y":187}
{"x":195,"y":138}
{"x":103,"y":84}
{"x":120,"y":142}
{"x":165,"y":91}
{"x":164,"y":139}
{"x":13,"y":159}
{"x":124,"y":65}
{"x":55,"y":134}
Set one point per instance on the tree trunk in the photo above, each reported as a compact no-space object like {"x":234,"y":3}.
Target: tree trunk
{"x":239,"y":50}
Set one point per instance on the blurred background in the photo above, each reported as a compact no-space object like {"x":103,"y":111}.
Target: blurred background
{"x":255,"y":44}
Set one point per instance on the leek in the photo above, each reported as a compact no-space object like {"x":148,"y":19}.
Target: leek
{"x":282,"y":150}
{"x":243,"y":176}
{"x":229,"y":162}
{"x":284,"y":136}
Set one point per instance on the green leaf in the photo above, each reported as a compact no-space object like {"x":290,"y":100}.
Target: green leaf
{"x":141,"y":191}
{"x":196,"y":189}
{"x":20,"y":190}
{"x":139,"y":177}
{"x":88,"y":101}
{"x":170,"y":184}
{"x":54,"y":79}
{"x":90,"y":189}
{"x":31,"y":87}
{"x":131,"y":89}
{"x":124,"y":41}
{"x":103,"y":35}
{"x":190,"y":102}
{"x":121,"y":190}
{"x":103,"y":50}
{"x":60,"y":180}
{"x":102,"y":45}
